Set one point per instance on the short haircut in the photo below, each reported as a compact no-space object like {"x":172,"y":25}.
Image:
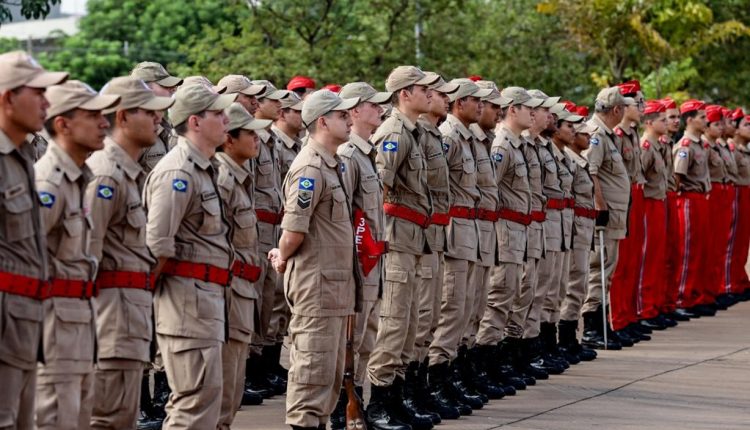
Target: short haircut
{"x":182,"y":127}
{"x":394,"y":97}
{"x":49,"y":125}
{"x":651,"y":116}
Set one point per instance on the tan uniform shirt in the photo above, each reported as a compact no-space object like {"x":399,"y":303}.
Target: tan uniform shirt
{"x":605,"y":162}
{"x":629,"y":146}
{"x":727,"y":156}
{"x":437,"y":180}
{"x":39,"y":143}
{"x":654,"y":169}
{"x":186,"y":222}
{"x":461,"y":234}
{"x":402,"y":168}
{"x":552,"y":189}
{"x":665,"y":149}
{"x":717,"y":169}
{"x":267,"y":191}
{"x":583,"y":192}
{"x":319,"y":277}
{"x":118,"y":241}
{"x":487,"y":184}
{"x":23,"y":251}
{"x":512,"y":178}
{"x":742,"y":156}
{"x":234,"y":183}
{"x":565,"y":174}
{"x":691,"y":162}
{"x":535,"y":232}
{"x":287,"y":147}
{"x":68,"y":322}
{"x":165,"y":140}
{"x":362,"y":183}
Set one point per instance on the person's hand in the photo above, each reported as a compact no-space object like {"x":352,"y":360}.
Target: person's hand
{"x":278,"y":264}
{"x":599,"y":203}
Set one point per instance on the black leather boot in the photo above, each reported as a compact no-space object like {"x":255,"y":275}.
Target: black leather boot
{"x":537,"y":359}
{"x":476,"y":366}
{"x":440,"y":399}
{"x":254,"y":378}
{"x":409,"y":414}
{"x":460,"y":390}
{"x":593,"y":333}
{"x":424,"y":395}
{"x":161,"y":394}
{"x":548,"y":345}
{"x":490,"y":363}
{"x":568,"y":341}
{"x":147,"y":419}
{"x":380,"y":413}
{"x":506,"y":353}
{"x":274,"y":361}
{"x":269,"y":362}
{"x":250,"y":397}
{"x":414,"y":394}
{"x":338,"y":416}
{"x":466,"y":376}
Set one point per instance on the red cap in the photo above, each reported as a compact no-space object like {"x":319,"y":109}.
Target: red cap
{"x":654,"y":106}
{"x":582,"y":110}
{"x":333,"y":87}
{"x":736,"y":114}
{"x":691,"y":105}
{"x":669,"y":103}
{"x":569,"y":105}
{"x":713,"y":113}
{"x":725,"y":112}
{"x":300,"y":82}
{"x":629,"y":87}
{"x":475,"y":78}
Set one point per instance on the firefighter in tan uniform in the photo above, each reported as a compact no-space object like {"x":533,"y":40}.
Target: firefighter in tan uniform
{"x":287,"y":128}
{"x":23,"y":244}
{"x":75,"y":123}
{"x":163,"y":85}
{"x":363,"y":185}
{"x":739,"y":279}
{"x":401,"y":164}
{"x":496,"y":329}
{"x":235,"y":186}
{"x":187,"y":232}
{"x":316,"y":255}
{"x":245,"y":89}
{"x":118,"y":241}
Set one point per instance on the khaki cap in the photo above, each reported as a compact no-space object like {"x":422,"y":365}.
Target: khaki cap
{"x":564,"y":115}
{"x":404,"y":76}
{"x":321,"y":102}
{"x":630,"y":101}
{"x":134,"y":93}
{"x":557,"y":109}
{"x":440,"y":85}
{"x":609,"y":98}
{"x":548,"y":101}
{"x":585,"y":128}
{"x":195,"y":98}
{"x":76,"y":95}
{"x":365,"y":92}
{"x":149,"y":71}
{"x":292,"y":101}
{"x":205,"y":82}
{"x":495,"y":97}
{"x":241,"y":118}
{"x":240,"y":84}
{"x":468,"y":88}
{"x":18,"y":69}
{"x":271,"y":92}
{"x":519,"y":96}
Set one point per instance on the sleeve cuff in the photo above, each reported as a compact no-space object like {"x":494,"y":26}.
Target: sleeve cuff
{"x":295,"y":223}
{"x":162,"y":247}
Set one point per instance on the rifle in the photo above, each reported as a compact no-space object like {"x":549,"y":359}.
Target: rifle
{"x":354,"y":413}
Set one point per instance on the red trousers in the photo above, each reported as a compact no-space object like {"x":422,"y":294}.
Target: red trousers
{"x":652,"y":285}
{"x":690,"y":264}
{"x":721,"y":203}
{"x":672,"y":255}
{"x":739,"y":242}
{"x":623,"y":290}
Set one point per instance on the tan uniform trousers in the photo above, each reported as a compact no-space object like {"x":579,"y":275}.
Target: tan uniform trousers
{"x":318,"y":349}
{"x":578,"y":281}
{"x":64,"y":401}
{"x":17,"y":397}
{"x":365,"y":333}
{"x":456,"y":307}
{"x":429,"y":298}
{"x":553,"y":301}
{"x":505,"y":289}
{"x":194,"y":373}
{"x":399,"y":317}
{"x":233,"y":355}
{"x":280,"y":314}
{"x":594,"y":295}
{"x":268,"y":284}
{"x":549,"y":273}
{"x":117,"y":389}
{"x":519,"y":314}
{"x":479,"y":278}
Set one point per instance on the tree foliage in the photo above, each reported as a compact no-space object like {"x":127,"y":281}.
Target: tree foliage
{"x":29,"y":8}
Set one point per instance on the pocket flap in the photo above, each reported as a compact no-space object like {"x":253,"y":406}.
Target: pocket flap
{"x":79,"y":316}
{"x":336,"y":274}
{"x":245,"y":219}
{"x":138,"y":298}
{"x":73,"y":225}
{"x":396,"y":276}
{"x":314,"y":343}
{"x":137,"y":217}
{"x":25,"y":311}
{"x":211,"y":206}
{"x":246,"y":290}
{"x":19,"y":204}
{"x":339,"y":195}
{"x":370,"y":186}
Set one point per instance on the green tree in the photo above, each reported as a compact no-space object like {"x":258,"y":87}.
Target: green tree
{"x":29,"y":8}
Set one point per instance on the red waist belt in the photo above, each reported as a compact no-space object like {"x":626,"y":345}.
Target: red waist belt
{"x":515,"y":216}
{"x":269,"y":217}
{"x":538,"y":216}
{"x":440,"y":219}
{"x":407,"y":214}
{"x":558,"y":204}
{"x":570,"y":203}
{"x":119,"y":279}
{"x":246,"y":271}
{"x":200,"y":271}
{"x":584,"y":212}
{"x":692,"y":195}
{"x":71,"y":288}
{"x":462,"y":212}
{"x":22,"y":285}
{"x":488,"y":215}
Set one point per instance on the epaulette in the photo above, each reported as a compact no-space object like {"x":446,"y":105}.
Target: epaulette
{"x":347,"y":150}
{"x":618,"y":131}
{"x":685,"y":142}
{"x":731,"y":146}
{"x":392,"y":124}
{"x":225,"y":178}
{"x":646,"y":144}
{"x":663,"y":139}
{"x":105,"y":167}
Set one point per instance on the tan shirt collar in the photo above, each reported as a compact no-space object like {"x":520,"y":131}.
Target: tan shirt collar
{"x":240,"y":172}
{"x":407,"y":123}
{"x":361,"y":144}
{"x":458,"y":125}
{"x":329,"y":159}
{"x":193,"y":153}
{"x":289,"y":141}
{"x":64,"y":162}
{"x":117,"y":154}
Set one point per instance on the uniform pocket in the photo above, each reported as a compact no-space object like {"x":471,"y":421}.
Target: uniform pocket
{"x":264,"y":178}
{"x":370,"y":198}
{"x":339,"y":211}
{"x":71,"y":241}
{"x":314,"y":359}
{"x":209,"y":301}
{"x":211,"y":223}
{"x":18,"y":218}
{"x":468,"y":177}
{"x":463,"y":233}
{"x":516,"y":236}
{"x":138,"y":313}
{"x":135,"y":233}
{"x":21,"y":328}
{"x":337,"y":288}
{"x":73,"y":326}
{"x":396,"y":279}
{"x":246,"y":233}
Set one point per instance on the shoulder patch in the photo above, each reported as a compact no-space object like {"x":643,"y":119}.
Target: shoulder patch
{"x":646,"y":144}
{"x":46,"y":199}
{"x":594,"y":141}
{"x":306,"y":184}
{"x":663,"y":139}
{"x":342,"y":167}
{"x":305,"y":192}
{"x":390,"y":146}
{"x":498,"y":157}
{"x":685,"y":142}
{"x":180,"y":185}
{"x":731,"y":146}
{"x":682,"y":154}
{"x":618,"y":131}
{"x":105,"y":192}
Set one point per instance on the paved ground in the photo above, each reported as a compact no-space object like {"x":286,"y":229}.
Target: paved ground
{"x":695,"y":376}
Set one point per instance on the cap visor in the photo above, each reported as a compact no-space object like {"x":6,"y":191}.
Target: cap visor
{"x":629,"y":101}
{"x":447,"y":88}
{"x":428,"y":80}
{"x":222,"y":102}
{"x":169,"y":82}
{"x":254,"y":90}
{"x":158,"y":103}
{"x":298,"y":105}
{"x":347,"y":104}
{"x":482,"y":93}
{"x":277,"y":95}
{"x":533,"y":102}
{"x":380,"y":98}
{"x":574,"y":118}
{"x":585,"y":128}
{"x":47,"y":79}
{"x":549,"y":102}
{"x":100,"y":102}
{"x":500,"y":101}
{"x":257,"y":124}
{"x":558,"y":109}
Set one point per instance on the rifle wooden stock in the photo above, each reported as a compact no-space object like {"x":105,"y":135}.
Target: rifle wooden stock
{"x":355,"y":419}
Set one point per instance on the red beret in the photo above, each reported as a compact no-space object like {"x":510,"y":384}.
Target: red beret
{"x":333,"y":88}
{"x":736,"y":114}
{"x":582,"y":110}
{"x":713,"y":113}
{"x":629,"y":87}
{"x":654,"y":106}
{"x":669,"y":103}
{"x":569,"y":105}
{"x":692,"y":105}
{"x":475,"y":78}
{"x":725,"y":112}
{"x":300,"y":82}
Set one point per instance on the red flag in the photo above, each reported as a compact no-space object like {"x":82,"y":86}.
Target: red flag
{"x":368,"y":249}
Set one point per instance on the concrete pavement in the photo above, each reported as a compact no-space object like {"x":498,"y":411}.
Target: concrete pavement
{"x":694,"y":376}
